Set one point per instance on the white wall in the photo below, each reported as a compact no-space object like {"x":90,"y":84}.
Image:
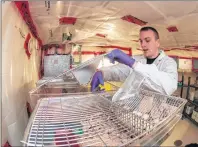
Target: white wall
{"x":19,"y":74}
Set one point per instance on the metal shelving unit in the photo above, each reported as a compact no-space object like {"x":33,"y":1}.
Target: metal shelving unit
{"x":189,"y":117}
{"x":187,"y":98}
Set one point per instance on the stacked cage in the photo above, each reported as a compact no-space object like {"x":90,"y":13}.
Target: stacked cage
{"x":120,"y":117}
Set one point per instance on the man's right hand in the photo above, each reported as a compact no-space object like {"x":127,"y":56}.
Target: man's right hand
{"x":97,"y":80}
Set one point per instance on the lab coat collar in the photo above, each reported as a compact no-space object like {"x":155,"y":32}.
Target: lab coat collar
{"x":157,"y":60}
{"x":160,"y":57}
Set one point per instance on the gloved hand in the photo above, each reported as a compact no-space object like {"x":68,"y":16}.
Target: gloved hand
{"x":121,"y":57}
{"x":97,"y":80}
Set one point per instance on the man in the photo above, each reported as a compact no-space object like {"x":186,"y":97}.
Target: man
{"x":159,"y":69}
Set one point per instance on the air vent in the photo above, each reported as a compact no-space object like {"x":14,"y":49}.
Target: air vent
{"x":134,"y":20}
{"x":67,"y":20}
{"x":172,"y":29}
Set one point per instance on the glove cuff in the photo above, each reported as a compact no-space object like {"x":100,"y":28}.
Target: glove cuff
{"x":131,"y":63}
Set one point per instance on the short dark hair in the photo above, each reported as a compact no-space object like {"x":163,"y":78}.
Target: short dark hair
{"x":152,"y":29}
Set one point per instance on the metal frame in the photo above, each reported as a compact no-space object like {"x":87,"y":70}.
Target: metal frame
{"x":93,"y":120}
{"x":96,"y":119}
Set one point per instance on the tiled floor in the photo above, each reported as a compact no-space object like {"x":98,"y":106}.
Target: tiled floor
{"x":185,"y":131}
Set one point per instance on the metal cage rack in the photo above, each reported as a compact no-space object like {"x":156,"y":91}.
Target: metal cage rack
{"x":79,"y":117}
{"x":94,"y":120}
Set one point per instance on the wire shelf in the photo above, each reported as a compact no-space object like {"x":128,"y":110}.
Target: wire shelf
{"x":93,"y":120}
{"x":68,"y":114}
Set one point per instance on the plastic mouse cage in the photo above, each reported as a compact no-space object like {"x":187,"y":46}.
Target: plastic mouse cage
{"x":81,"y":118}
{"x":72,"y":82}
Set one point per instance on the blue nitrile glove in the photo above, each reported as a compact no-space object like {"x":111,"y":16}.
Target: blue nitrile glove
{"x":121,"y":57}
{"x":97,"y":80}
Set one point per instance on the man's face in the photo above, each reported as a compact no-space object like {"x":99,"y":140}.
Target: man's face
{"x":149,"y":44}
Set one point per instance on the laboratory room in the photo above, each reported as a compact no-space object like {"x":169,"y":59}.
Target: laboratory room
{"x":99,"y":73}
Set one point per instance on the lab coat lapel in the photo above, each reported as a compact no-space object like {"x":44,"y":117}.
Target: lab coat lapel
{"x":159,"y":58}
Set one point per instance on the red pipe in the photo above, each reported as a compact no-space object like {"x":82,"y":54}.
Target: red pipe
{"x":101,"y":35}
{"x":88,"y":53}
{"x":130,"y":52}
{"x":180,"y":57}
{"x":119,"y":47}
{"x":23,"y":8}
{"x":173,"y":56}
{"x":7,"y":144}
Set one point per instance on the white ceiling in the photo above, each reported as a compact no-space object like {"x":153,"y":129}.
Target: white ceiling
{"x":105,"y":17}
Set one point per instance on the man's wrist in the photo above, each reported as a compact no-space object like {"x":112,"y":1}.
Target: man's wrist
{"x":134,"y":65}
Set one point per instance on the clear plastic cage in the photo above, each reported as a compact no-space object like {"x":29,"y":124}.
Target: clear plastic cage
{"x":75,"y":81}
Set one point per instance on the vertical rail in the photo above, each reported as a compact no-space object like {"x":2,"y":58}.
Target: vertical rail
{"x":188,"y":89}
{"x":181,"y":94}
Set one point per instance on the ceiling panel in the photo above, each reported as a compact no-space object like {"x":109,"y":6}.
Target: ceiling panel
{"x":104,"y":17}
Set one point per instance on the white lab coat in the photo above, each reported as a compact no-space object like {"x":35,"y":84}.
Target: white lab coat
{"x":161,"y":76}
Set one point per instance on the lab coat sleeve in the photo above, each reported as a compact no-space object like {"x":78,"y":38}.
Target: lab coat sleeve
{"x":118,"y":72}
{"x":163,"y":81}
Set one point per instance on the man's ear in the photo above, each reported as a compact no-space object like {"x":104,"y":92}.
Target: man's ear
{"x":157,"y":42}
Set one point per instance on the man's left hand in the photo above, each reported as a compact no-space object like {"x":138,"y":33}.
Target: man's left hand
{"x":121,"y":57}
